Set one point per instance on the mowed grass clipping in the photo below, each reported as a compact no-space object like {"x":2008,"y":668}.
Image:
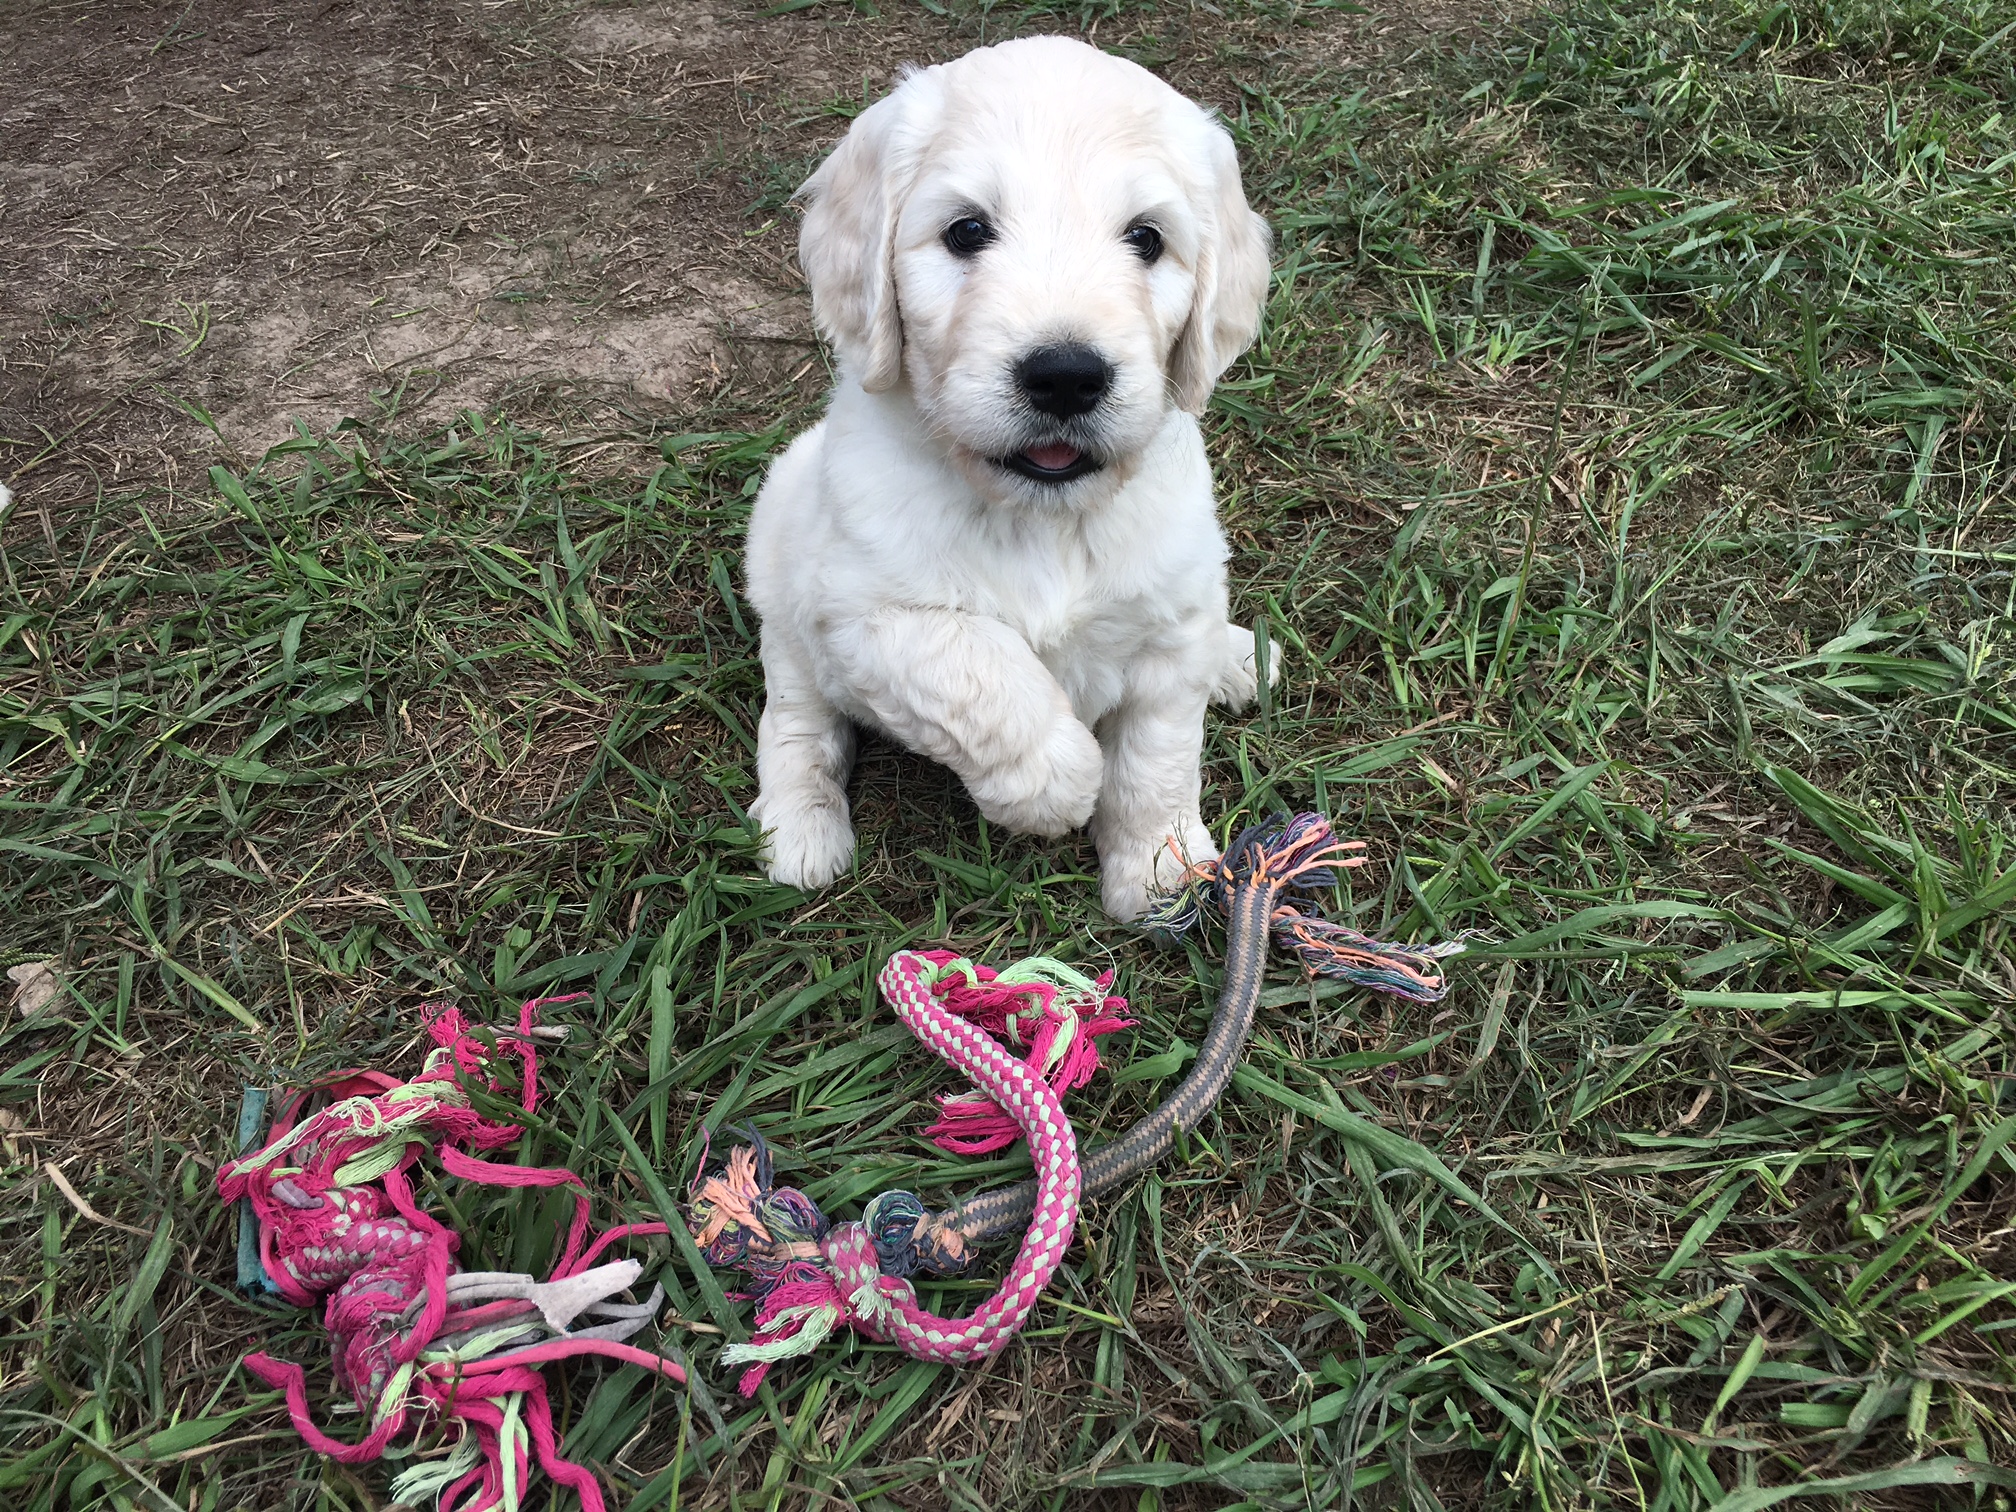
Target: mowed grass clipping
{"x":1623,"y":477}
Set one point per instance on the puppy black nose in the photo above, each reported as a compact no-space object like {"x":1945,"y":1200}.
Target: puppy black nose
{"x":1064,"y":380}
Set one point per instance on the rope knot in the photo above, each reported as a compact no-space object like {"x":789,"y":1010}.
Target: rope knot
{"x":849,"y":1251}
{"x":808,"y":1299}
{"x":1052,"y":1011}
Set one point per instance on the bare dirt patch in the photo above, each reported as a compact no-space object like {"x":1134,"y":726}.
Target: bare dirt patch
{"x":396,"y":209}
{"x":390,"y":207}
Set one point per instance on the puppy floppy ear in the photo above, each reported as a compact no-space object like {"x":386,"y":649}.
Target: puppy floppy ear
{"x":847,"y":242}
{"x":1231,"y":278}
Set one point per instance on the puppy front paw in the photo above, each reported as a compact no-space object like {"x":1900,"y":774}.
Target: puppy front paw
{"x":1135,"y":869}
{"x":1051,"y":792}
{"x":1239,"y":682}
{"x":807,"y":841}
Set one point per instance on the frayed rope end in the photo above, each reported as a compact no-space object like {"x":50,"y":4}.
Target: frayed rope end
{"x":1303,"y":855}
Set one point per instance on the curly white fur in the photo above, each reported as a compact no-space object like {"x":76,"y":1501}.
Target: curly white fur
{"x":1054,"y":640}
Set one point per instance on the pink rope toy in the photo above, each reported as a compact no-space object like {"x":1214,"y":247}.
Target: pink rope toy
{"x":811,"y":1276}
{"x":418,"y":1343}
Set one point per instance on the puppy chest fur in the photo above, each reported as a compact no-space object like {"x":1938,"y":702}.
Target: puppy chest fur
{"x":1104,"y":599}
{"x":1000,"y":546}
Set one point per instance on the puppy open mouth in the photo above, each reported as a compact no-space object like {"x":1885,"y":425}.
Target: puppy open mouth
{"x":1054,"y":462}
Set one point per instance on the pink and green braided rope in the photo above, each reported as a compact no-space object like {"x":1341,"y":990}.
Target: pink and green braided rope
{"x":838,"y":1277}
{"x":426,"y":1349}
{"x":811,"y":1277}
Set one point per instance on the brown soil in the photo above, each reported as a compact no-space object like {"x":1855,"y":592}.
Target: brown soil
{"x":382,"y":208}
{"x":394,"y":209}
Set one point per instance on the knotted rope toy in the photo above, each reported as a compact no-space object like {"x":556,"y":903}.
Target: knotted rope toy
{"x":811,"y":1276}
{"x":418,"y":1344}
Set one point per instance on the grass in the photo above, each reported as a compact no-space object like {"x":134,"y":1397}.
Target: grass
{"x":1622,"y":474}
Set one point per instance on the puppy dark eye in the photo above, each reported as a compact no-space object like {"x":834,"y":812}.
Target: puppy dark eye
{"x":965,"y":237}
{"x":1146,"y":242}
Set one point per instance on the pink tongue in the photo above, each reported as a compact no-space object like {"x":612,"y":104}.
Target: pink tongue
{"x":1054,"y":458}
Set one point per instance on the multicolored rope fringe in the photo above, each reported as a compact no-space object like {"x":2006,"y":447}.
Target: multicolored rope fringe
{"x":418,"y":1344}
{"x":1325,"y":947}
{"x":1043,"y":1006}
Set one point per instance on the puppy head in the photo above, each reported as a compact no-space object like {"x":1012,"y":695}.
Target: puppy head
{"x":1052,"y":246}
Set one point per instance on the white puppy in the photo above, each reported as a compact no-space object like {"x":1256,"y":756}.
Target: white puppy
{"x":1000,"y":546}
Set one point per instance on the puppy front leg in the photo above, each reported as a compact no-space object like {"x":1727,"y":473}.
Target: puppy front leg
{"x":1154,"y":747}
{"x":967,"y":691}
{"x":804,"y":751}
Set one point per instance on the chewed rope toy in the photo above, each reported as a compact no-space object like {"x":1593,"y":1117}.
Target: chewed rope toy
{"x":420,"y":1345}
{"x":811,"y":1276}
{"x":423,"y":1347}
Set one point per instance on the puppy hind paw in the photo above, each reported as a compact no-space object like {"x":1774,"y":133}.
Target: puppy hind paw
{"x":1125,"y":898}
{"x":1239,"y":683}
{"x":1190,"y":847}
{"x":1134,"y":872}
{"x":806,"y":844}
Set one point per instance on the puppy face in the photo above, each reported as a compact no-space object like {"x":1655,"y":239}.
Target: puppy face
{"x":1051,"y":247}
